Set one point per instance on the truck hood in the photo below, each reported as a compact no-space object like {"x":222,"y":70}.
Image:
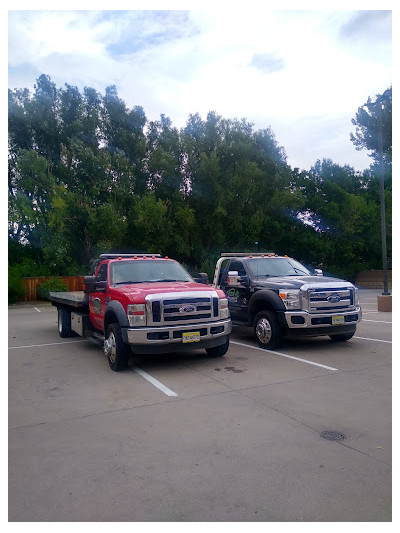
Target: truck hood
{"x":295,"y":282}
{"x":137,"y":291}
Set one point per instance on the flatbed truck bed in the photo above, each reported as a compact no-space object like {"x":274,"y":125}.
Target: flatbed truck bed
{"x":75,"y":299}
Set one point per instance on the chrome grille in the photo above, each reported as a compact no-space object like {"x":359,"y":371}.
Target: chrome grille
{"x":182,"y":308}
{"x":329,"y":299}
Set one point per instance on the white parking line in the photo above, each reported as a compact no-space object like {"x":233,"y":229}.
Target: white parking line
{"x":154,"y":381}
{"x":380,"y":321}
{"x":284,"y":355}
{"x":39,"y":345}
{"x":375,"y":340}
{"x":38,"y":310}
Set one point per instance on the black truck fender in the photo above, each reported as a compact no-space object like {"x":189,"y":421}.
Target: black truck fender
{"x":115,"y":313}
{"x":266,"y":300}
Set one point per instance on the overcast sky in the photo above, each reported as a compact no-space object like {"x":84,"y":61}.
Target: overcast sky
{"x":304,"y":73}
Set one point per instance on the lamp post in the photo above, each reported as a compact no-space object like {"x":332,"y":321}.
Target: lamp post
{"x":382,"y":201}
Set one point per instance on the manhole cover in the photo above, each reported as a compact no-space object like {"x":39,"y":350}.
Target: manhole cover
{"x":332,"y":435}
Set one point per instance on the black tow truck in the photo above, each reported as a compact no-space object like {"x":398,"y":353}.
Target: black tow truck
{"x":279,"y":297}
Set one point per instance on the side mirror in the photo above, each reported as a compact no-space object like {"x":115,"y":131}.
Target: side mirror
{"x":101,"y":286}
{"x":233,"y":278}
{"x":202,"y":278}
{"x":318,"y":272}
{"x":89,"y":284}
{"x":92,"y":285}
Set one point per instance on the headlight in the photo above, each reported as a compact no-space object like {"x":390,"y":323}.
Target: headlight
{"x":356,"y":297}
{"x":223,"y":308}
{"x":290,"y":298}
{"x":137,"y":314}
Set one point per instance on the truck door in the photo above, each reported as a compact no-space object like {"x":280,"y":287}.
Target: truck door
{"x":236,"y":290}
{"x":97,"y":300}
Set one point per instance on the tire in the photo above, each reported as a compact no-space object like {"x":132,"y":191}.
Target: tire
{"x":116,"y":351}
{"x":267,"y":331}
{"x":218,"y":351}
{"x":64,"y":323}
{"x":342,"y":337}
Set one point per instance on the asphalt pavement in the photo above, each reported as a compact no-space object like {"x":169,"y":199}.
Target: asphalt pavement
{"x":189,"y":438}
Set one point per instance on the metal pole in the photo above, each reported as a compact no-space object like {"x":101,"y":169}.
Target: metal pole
{"x":382,"y":199}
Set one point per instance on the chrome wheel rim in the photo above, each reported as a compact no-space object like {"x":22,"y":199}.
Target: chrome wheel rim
{"x":110,"y":347}
{"x":264,"y":331}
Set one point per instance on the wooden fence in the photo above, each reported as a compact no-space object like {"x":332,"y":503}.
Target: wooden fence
{"x":74,"y":283}
{"x":372,"y":279}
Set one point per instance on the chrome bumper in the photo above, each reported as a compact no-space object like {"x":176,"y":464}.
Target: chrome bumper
{"x":309,"y":317}
{"x":165,"y":334}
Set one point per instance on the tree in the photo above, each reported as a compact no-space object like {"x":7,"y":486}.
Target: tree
{"x":87,"y":174}
{"x":367,"y":121}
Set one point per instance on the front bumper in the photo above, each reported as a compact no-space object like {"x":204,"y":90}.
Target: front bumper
{"x":300,"y":320}
{"x":167,"y":335}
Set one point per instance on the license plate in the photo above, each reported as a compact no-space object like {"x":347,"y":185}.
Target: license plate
{"x":337,"y":320}
{"x":193,"y":336}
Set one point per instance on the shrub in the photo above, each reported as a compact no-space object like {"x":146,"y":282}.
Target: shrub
{"x":51,"y":285}
{"x":15,"y":287}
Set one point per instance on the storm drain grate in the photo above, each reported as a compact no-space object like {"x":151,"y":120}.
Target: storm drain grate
{"x":332,"y":435}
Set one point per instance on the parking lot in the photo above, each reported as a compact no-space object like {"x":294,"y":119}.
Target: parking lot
{"x":185,"y":437}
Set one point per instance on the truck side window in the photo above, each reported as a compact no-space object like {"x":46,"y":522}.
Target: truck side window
{"x":102,"y":273}
{"x":237,"y":265}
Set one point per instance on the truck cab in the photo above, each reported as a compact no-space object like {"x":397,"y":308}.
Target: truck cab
{"x":279,"y":297}
{"x":145,"y":304}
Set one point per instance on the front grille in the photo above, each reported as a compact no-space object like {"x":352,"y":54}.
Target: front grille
{"x":164,"y":309}
{"x":329,"y":299}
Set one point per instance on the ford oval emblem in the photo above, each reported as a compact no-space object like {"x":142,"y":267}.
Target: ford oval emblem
{"x":187,"y":309}
{"x":334,"y":299}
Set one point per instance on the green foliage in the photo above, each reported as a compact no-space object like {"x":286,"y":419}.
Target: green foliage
{"x":19,"y":268}
{"x":373,"y":123}
{"x":15,"y":287}
{"x":51,"y":285}
{"x":89,"y":175}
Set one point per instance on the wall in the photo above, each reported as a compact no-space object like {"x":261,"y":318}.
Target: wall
{"x":372,"y":279}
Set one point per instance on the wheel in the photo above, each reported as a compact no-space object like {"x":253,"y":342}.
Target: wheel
{"x":267,"y":330}
{"x":116,"y":351}
{"x":342,"y":337}
{"x":64,"y":323}
{"x":218,"y":351}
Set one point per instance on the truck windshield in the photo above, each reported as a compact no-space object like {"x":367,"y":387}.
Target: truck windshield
{"x":123,"y":272}
{"x":276,"y":266}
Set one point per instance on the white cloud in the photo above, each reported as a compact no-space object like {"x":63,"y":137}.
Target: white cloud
{"x":312,"y":71}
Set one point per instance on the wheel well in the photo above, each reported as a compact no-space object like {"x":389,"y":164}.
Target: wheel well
{"x":110,"y":318}
{"x":260,"y":305}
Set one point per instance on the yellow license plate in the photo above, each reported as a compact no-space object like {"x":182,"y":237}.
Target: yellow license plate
{"x":337,"y":320}
{"x":193,"y":336}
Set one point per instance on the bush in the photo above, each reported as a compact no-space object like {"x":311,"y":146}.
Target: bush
{"x":51,"y":285}
{"x":15,"y":287}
